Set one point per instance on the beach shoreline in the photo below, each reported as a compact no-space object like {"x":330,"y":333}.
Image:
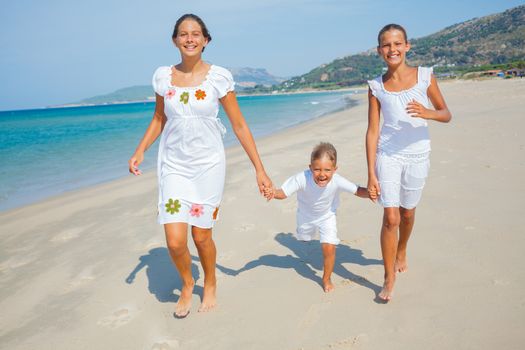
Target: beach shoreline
{"x":74,"y":184}
{"x":90,"y":269}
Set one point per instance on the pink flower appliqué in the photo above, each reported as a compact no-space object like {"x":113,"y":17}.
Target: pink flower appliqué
{"x":196,"y":210}
{"x":169,"y":94}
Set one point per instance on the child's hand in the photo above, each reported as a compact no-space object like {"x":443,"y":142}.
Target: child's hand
{"x":416,"y":109}
{"x":268,"y":193}
{"x":373,"y":190}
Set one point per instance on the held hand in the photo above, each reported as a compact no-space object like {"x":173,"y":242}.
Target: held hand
{"x":416,"y":109}
{"x":134,"y":163}
{"x":374,"y":191}
{"x":269,"y":193}
{"x":264,"y":182}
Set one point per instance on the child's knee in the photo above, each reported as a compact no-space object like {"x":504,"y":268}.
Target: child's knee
{"x":328,"y":249}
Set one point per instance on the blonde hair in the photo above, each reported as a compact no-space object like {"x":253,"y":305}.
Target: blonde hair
{"x":324,"y":149}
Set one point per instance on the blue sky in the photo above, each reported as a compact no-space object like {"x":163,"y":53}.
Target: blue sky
{"x":60,"y":51}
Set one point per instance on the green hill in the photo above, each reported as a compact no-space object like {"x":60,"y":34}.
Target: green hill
{"x":132,"y":93}
{"x":244,"y":77}
{"x":494,"y":39}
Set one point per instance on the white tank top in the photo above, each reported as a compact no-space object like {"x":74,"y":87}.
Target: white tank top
{"x":401,"y":133}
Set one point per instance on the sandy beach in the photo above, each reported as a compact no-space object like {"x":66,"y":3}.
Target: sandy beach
{"x":90,"y":270}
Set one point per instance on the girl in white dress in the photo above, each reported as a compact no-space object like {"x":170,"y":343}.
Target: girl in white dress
{"x":191,"y":161}
{"x":398,"y":151}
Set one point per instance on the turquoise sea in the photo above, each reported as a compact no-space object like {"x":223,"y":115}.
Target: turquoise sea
{"x":45,"y":152}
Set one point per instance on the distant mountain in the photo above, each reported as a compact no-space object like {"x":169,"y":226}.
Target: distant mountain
{"x":244,"y":77}
{"x":250,"y":77}
{"x":129,"y":94}
{"x":498,"y":38}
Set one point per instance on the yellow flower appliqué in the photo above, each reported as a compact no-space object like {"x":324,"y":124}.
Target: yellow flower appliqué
{"x":200,"y":94}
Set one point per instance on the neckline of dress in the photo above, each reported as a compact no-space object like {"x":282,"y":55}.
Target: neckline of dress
{"x":190,"y":87}
{"x":400,"y":91}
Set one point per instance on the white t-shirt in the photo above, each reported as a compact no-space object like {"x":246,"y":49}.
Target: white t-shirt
{"x":315,"y":202}
{"x":401,"y":133}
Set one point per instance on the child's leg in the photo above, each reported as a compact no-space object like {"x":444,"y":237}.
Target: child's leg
{"x":405,"y":229}
{"x":329,"y":262}
{"x":207,"y":255}
{"x":329,"y":242}
{"x":177,"y":242}
{"x":389,"y":242}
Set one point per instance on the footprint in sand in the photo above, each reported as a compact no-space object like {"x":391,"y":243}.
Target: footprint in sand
{"x":352,"y":281}
{"x":15,"y":262}
{"x":225,"y":256}
{"x":150,"y":244}
{"x":350,"y":342}
{"x":356,"y":240}
{"x":313,"y":315}
{"x":117,"y":318}
{"x":166,"y":344}
{"x":499,"y":282}
{"x":68,"y":234}
{"x":84,"y":277}
{"x":245,"y":227}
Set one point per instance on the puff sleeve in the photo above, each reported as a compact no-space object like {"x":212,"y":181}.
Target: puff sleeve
{"x":425,"y":76}
{"x":161,"y":80}
{"x":222,"y":80}
{"x":375,"y":86}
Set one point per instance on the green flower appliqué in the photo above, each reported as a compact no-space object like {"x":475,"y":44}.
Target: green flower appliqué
{"x":172,"y":206}
{"x":184,"y":97}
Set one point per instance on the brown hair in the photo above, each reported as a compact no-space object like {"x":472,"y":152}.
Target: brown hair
{"x":391,"y":26}
{"x":324,"y":149}
{"x":195,"y":18}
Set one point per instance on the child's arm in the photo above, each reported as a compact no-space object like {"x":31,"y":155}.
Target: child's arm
{"x":362,"y":192}
{"x":290,"y":186}
{"x":279,"y":194}
{"x":348,"y":186}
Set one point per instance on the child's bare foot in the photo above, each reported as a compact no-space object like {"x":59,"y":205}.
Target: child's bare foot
{"x":401,"y":262}
{"x":209,"y":299}
{"x":328,"y":286}
{"x":387,"y":292}
{"x":183,"y":306}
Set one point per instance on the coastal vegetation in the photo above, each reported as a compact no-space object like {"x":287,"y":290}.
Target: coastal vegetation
{"x":477,"y":45}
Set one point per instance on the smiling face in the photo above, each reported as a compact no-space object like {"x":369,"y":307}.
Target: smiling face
{"x":393,"y":47}
{"x":323,"y":169}
{"x":190,"y":40}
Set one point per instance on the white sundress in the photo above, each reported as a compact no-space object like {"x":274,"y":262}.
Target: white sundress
{"x":191,"y":160}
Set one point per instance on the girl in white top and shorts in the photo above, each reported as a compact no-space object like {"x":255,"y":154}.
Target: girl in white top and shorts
{"x":398,"y":150}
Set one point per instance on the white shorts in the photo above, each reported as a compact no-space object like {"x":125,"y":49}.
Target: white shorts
{"x":199,"y":215}
{"x":327,"y":230}
{"x":401,"y":179}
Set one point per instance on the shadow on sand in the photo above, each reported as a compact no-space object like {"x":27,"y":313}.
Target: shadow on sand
{"x":307,"y":257}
